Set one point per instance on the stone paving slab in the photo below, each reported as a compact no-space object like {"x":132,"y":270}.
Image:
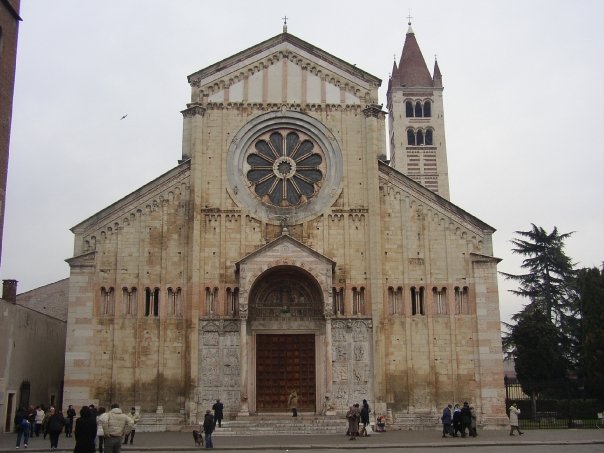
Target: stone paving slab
{"x":183,"y":441}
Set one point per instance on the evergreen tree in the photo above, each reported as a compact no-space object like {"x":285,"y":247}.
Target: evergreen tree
{"x":590,"y":329}
{"x":534,"y":343}
{"x":547,"y":282}
{"x":543,"y":340}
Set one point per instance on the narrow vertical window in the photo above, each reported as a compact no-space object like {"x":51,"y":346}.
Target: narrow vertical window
{"x":211,"y":299}
{"x":107,"y":301}
{"x":439,"y":297}
{"x":232,"y":302}
{"x":156,"y":302}
{"x":125,"y":301}
{"x":338,"y":301}
{"x":429,"y":140}
{"x":409,"y":109}
{"x":417,"y":301}
{"x":461,"y":300}
{"x":419,"y":138}
{"x":391,"y":306}
{"x":147,"y":301}
{"x":410,"y":137}
{"x":358,"y":300}
{"x":418,"y":109}
{"x":133,"y":301}
{"x":427,"y":109}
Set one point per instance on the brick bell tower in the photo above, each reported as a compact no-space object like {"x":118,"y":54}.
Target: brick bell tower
{"x":416,"y":121}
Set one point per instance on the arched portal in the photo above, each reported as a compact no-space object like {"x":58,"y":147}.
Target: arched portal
{"x":287,"y":327}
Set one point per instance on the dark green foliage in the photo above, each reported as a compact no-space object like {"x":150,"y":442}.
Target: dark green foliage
{"x":590,"y":329}
{"x":549,"y":271}
{"x":536,"y":350}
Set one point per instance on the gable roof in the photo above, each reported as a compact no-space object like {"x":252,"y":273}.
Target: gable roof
{"x":285,"y":239}
{"x":276,"y":41}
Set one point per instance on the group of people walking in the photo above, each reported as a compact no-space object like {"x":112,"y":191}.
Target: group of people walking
{"x":49,"y":422}
{"x":112,"y":428}
{"x":459,"y":421}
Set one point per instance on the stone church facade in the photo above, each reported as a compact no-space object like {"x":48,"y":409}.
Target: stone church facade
{"x":284,"y":252}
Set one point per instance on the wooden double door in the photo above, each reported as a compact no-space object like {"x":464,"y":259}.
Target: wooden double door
{"x":285,"y":363}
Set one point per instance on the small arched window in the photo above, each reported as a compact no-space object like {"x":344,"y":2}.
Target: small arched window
{"x":417,"y":301}
{"x":410,"y":137}
{"x":420,"y":137}
{"x":409,"y":109}
{"x":429,"y":140}
{"x":418,"y":109}
{"x":427,"y":109}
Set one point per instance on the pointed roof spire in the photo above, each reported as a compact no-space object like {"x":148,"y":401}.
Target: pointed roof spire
{"x":412,"y":69}
{"x":409,"y":30}
{"x":437,"y":78}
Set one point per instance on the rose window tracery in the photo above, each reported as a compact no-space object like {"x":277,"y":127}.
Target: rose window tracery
{"x":286,"y":168}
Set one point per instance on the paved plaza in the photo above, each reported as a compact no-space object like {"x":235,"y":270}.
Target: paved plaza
{"x":183,"y":441}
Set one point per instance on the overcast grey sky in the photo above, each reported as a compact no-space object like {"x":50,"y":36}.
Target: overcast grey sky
{"x":524,"y":106}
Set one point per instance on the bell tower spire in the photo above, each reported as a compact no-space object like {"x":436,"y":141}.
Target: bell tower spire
{"x":416,"y":120}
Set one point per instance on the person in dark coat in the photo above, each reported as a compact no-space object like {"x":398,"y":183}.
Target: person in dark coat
{"x":447,"y":418}
{"x":365,"y":411}
{"x":85,"y":431}
{"x":466,"y":419}
{"x":218,"y":415}
{"x":54,"y":426}
{"x":456,"y":420}
{"x":208,"y":428}
{"x":71,"y":413}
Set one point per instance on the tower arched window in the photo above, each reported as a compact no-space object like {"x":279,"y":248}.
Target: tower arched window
{"x":427,"y":109}
{"x":417,"y":301}
{"x":418,"y":109}
{"x":419,"y":137}
{"x":151,"y":302}
{"x":410,"y":137}
{"x":409,"y":109}
{"x":429,"y":139}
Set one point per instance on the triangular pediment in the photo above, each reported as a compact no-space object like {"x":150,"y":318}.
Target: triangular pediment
{"x":286,"y":249}
{"x":284,"y":69}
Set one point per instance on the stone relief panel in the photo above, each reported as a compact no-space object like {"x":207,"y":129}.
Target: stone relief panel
{"x":219,"y":365}
{"x":351,"y":340}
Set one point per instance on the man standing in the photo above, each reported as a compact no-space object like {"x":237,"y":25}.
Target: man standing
{"x":135,"y":418}
{"x":217,"y":408}
{"x":466,"y":419}
{"x":208,"y":428}
{"x":116,"y":425}
{"x":71,"y":413}
{"x":447,"y":419}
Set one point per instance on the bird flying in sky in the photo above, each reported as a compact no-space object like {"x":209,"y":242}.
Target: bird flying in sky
{"x":123,"y":116}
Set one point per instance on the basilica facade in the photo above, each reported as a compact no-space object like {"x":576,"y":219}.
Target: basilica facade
{"x":285,"y":252}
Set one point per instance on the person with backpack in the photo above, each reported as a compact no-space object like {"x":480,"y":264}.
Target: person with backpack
{"x":22,"y":426}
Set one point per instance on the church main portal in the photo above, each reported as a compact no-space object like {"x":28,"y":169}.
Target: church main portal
{"x":285,"y":363}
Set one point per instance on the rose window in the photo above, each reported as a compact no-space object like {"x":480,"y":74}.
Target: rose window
{"x":286,"y":168}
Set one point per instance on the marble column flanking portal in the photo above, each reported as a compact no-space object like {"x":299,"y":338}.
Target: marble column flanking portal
{"x":244,"y":408}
